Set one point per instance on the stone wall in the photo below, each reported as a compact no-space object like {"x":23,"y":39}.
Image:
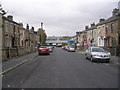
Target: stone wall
{"x":8,"y":53}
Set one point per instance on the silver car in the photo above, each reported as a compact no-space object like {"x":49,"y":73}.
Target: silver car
{"x":50,"y":48}
{"x":71,"y":48}
{"x":97,"y":54}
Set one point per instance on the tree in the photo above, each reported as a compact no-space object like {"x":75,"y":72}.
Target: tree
{"x":42,"y":36}
{"x":1,"y":10}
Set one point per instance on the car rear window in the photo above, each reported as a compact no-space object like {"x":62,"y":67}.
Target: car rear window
{"x":43,"y":48}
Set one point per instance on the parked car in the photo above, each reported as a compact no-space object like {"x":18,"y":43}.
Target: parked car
{"x":71,"y":49}
{"x":43,"y":50}
{"x":63,"y":47}
{"x":66,"y":47}
{"x":50,"y":48}
{"x":97,"y":54}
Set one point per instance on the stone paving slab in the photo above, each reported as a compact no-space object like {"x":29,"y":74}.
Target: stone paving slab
{"x":10,"y":63}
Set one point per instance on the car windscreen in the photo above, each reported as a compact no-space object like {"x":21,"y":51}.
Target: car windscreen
{"x":71,"y":47}
{"x":98,"y":50}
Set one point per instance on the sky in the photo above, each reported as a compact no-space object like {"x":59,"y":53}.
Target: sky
{"x":60,"y":17}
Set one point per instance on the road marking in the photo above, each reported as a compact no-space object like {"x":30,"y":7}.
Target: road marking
{"x":107,"y":64}
{"x":8,"y":85}
{"x":116,"y":63}
{"x":17,"y":65}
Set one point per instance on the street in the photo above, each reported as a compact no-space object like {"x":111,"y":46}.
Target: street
{"x":62,"y":69}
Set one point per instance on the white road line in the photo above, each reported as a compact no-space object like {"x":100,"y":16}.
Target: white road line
{"x":107,"y":64}
{"x":116,"y":63}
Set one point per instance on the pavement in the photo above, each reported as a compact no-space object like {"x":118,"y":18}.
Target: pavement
{"x":15,"y":62}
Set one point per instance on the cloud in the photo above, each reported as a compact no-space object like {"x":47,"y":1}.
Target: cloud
{"x":59,"y":17}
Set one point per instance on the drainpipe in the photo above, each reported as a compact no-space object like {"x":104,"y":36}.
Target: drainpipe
{"x":1,"y":46}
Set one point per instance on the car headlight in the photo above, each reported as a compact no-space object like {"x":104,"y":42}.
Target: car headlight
{"x":96,"y":55}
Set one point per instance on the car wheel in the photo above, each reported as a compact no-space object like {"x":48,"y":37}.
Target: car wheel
{"x":86,"y":57}
{"x":107,"y":61}
{"x":91,"y":59}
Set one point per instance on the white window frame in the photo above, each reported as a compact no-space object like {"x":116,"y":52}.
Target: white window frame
{"x":6,"y":26}
{"x":100,"y":41}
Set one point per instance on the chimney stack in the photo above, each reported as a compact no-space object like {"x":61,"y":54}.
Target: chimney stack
{"x":21,"y":25}
{"x":86,"y":27}
{"x":93,"y":24}
{"x":32,"y":29}
{"x":115,"y":12}
{"x":101,"y":20}
{"x":10,"y":17}
{"x":41,"y":25}
{"x":77,"y":33}
{"x":27,"y":27}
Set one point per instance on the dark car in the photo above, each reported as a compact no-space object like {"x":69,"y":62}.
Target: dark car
{"x":43,"y":50}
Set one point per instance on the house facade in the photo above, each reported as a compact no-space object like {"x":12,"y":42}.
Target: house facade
{"x":104,"y":34}
{"x":101,"y":33}
{"x":11,"y":37}
{"x":112,"y":30}
{"x":17,"y":40}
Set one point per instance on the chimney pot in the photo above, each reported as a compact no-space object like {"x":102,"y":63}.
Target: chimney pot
{"x":101,"y":20}
{"x":86,"y":27}
{"x":10,"y":17}
{"x":93,"y":24}
{"x":115,"y":11}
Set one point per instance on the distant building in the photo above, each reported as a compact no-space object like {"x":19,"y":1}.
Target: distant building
{"x":55,"y":40}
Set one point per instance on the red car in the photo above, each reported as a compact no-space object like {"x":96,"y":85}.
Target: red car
{"x":43,"y":50}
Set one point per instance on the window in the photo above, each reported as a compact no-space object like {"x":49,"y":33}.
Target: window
{"x":119,"y":39}
{"x":106,"y":29}
{"x":112,"y":27}
{"x":112,"y":41}
{"x":6,"y":27}
{"x":11,"y":28}
{"x":22,"y":43}
{"x":99,"y":31}
{"x":100,"y":41}
{"x":7,"y":41}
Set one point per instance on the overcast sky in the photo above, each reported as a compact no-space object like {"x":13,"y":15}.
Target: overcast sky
{"x":60,"y":17}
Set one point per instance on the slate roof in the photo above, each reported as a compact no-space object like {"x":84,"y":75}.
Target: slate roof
{"x":113,"y":18}
{"x":93,"y":27}
{"x":10,"y":20}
